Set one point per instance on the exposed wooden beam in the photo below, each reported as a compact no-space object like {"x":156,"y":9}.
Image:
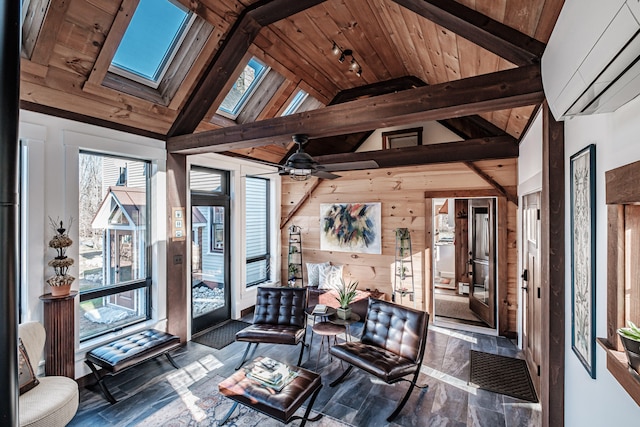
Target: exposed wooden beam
{"x":236,"y":44}
{"x":49,"y":32}
{"x":492,"y":182}
{"x":499,"y":147}
{"x":374,"y":89}
{"x":300,"y":203}
{"x":489,"y":92}
{"x":462,"y":194}
{"x":490,"y":34}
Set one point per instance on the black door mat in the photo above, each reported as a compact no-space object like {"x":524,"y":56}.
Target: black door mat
{"x":501,"y":374}
{"x":222,"y":335}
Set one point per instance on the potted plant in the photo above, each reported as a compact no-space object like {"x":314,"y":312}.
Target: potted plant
{"x":293,"y":271}
{"x":61,"y":281}
{"x":346,"y":294}
{"x":630,"y":337}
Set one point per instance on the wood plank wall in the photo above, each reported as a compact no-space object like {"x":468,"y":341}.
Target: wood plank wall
{"x":401,"y":192}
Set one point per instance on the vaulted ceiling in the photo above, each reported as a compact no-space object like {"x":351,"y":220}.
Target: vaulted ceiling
{"x":473,"y":65}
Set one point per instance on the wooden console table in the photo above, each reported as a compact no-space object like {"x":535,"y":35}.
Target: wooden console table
{"x":59,"y":322}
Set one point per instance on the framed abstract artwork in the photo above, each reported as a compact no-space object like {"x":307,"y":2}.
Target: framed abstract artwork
{"x":350,"y":227}
{"x":583,"y":300}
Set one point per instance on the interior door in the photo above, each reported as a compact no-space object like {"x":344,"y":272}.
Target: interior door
{"x":482,"y":300}
{"x":532,"y":310}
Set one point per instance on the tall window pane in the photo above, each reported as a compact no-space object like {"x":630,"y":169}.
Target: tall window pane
{"x":113,"y":227}
{"x":257,"y":230}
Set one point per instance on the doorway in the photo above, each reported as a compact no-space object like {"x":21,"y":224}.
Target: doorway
{"x":464,"y":261}
{"x":210,"y":272}
{"x":531,"y":301}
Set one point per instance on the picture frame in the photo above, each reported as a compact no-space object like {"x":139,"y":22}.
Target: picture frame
{"x":583,"y":269}
{"x":351,"y":227}
{"x":402,"y":138}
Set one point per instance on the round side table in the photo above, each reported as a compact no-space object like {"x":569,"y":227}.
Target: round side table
{"x":346,"y":323}
{"x":323,"y":317}
{"x":328,"y":330}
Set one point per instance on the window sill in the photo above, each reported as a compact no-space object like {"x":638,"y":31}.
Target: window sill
{"x":617,"y":365}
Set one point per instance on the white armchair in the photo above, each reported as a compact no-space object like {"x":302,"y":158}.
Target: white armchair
{"x":54,"y":401}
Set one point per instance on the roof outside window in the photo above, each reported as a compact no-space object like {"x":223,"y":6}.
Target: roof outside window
{"x":153,"y":36}
{"x":242,"y":89}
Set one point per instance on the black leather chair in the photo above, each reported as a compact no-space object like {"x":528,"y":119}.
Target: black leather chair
{"x":392,"y":346}
{"x":279,"y":318}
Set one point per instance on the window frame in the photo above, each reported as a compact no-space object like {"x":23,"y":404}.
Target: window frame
{"x":388,"y":138}
{"x":266,"y":257}
{"x":251,"y":90}
{"x":295,"y":103}
{"x":131,"y":285}
{"x":168,"y":57}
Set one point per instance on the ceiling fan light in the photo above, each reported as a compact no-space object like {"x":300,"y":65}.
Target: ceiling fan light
{"x":300,"y":174}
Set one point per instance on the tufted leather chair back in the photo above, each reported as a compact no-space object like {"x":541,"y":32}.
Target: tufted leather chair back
{"x":281,"y":306}
{"x":395,"y":328}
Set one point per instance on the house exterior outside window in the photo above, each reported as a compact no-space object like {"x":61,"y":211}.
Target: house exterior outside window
{"x":257,"y":231}
{"x":114,"y":229}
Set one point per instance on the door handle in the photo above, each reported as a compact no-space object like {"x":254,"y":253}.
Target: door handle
{"x":525,"y":288}
{"x":525,"y":275}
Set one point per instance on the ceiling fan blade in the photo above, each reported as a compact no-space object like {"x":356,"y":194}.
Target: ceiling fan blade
{"x":324,"y":175}
{"x":350,"y":166}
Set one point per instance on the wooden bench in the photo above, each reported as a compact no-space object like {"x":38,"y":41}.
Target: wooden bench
{"x":127,"y":352}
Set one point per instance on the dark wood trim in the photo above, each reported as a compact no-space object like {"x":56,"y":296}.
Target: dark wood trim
{"x":492,"y":35}
{"x":499,"y":188}
{"x":69,"y":115}
{"x":428,"y":255}
{"x":300,"y":203}
{"x":618,"y":366}
{"x":621,"y":184}
{"x":461,"y":194}
{"x":489,"y":92}
{"x":552,"y":216}
{"x":49,"y":32}
{"x":177,"y":319}
{"x":375,"y":89}
{"x":471,"y":150}
{"x":472,"y":127}
{"x":208,"y":90}
{"x":532,"y":118}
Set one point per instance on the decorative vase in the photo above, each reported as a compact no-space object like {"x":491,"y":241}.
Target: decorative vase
{"x":60,"y":291}
{"x":344,"y":313}
{"x":632,"y":348}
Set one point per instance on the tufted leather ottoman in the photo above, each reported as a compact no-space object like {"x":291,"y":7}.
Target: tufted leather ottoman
{"x":279,"y":405}
{"x":126,"y":352}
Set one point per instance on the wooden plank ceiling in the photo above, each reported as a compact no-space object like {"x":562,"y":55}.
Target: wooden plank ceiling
{"x":400,"y":45}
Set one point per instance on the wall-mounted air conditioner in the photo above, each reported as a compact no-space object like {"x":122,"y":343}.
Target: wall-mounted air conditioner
{"x":592,"y":61}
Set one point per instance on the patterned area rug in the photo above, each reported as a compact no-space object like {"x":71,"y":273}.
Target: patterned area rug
{"x":221,"y":336}
{"x":202,"y":405}
{"x":501,"y":374}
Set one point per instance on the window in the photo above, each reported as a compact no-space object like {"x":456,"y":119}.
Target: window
{"x":243,"y":88}
{"x":295,"y":103}
{"x":402,"y":138}
{"x":217,"y":229}
{"x":257,"y":230}
{"x":114,"y":229}
{"x":151,"y":40}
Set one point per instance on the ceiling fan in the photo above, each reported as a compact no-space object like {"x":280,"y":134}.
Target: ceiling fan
{"x":300,"y":166}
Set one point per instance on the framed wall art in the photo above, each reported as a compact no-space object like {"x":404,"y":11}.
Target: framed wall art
{"x":583,"y":301}
{"x":350,"y":227}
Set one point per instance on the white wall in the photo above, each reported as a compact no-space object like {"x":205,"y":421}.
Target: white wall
{"x":601,"y":401}
{"x":50,"y":179}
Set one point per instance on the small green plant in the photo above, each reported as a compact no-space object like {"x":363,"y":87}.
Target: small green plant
{"x":631,"y":331}
{"x":293,"y":270}
{"x":347,"y":293}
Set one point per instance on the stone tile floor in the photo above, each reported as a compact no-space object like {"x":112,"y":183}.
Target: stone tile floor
{"x":360,"y":400}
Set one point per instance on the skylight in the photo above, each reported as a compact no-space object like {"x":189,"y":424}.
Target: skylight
{"x":243,"y":88}
{"x":154,"y":34}
{"x":295,"y":103}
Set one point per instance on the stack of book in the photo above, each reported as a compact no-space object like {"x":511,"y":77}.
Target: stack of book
{"x":270,"y":373}
{"x":320,"y":309}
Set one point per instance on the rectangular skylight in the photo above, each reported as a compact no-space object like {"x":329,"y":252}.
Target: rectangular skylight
{"x":152,"y":38}
{"x":295,"y":103}
{"x":243,"y":88}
